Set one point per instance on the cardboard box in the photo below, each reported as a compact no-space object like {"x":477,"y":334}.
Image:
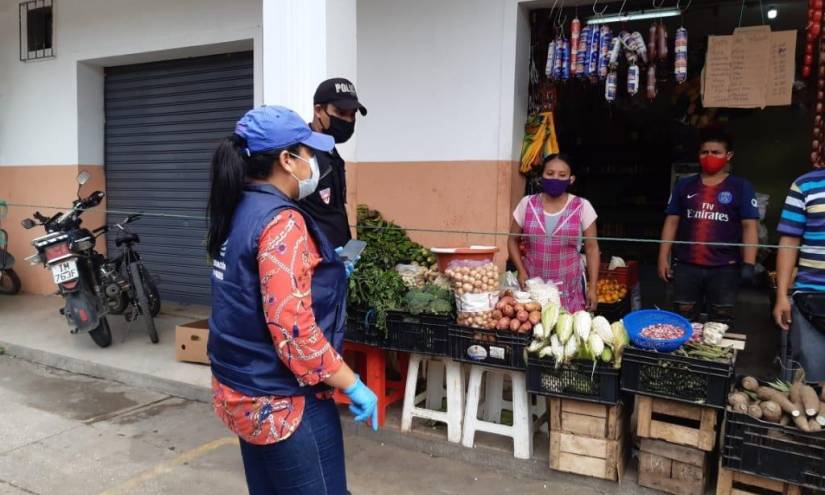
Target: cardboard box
{"x":190,"y":341}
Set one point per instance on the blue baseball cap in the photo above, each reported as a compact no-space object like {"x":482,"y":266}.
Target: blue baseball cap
{"x":274,"y":127}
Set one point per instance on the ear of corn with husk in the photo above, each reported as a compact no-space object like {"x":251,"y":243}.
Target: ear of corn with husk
{"x":581,"y":325}
{"x":564,"y":327}
{"x":601,"y":327}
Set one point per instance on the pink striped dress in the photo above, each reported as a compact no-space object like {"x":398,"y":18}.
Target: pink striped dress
{"x":555,"y":256}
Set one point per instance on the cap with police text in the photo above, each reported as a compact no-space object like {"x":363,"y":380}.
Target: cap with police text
{"x":269,"y":128}
{"x":339,"y":92}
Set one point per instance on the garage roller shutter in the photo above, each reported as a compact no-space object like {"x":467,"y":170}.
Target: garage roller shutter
{"x":163,"y":121}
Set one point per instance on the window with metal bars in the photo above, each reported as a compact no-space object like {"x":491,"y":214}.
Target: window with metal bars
{"x":36,"y":29}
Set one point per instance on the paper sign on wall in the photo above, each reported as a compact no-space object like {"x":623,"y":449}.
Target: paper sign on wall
{"x":753,"y":68}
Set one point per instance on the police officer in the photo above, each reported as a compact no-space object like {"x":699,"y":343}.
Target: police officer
{"x":336,"y":103}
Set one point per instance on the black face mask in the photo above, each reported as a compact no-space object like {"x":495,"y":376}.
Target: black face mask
{"x":339,"y":129}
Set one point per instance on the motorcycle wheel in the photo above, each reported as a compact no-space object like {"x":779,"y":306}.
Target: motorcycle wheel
{"x":9,"y":282}
{"x":151,"y":291}
{"x":144,"y":307}
{"x":102,"y":335}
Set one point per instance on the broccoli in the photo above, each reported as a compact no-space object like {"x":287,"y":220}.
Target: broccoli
{"x":440,"y":307}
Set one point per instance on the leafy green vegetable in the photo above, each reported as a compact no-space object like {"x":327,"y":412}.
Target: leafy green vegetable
{"x":375,"y":284}
{"x":381,"y":290}
{"x":387,"y":243}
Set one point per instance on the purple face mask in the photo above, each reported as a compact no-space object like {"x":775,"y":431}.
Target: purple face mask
{"x":554,"y":187}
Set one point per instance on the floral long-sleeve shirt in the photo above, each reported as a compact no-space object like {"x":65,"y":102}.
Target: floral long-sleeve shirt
{"x":287,"y":257}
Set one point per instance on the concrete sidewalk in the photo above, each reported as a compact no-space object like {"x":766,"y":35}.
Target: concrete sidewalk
{"x":32,"y":328}
{"x":76,"y":435}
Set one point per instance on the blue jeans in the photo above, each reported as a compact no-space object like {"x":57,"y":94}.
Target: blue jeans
{"x":310,"y":462}
{"x":699,"y":287}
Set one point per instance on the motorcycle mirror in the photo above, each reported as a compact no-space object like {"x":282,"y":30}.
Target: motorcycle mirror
{"x":27,"y":223}
{"x":83,"y":178}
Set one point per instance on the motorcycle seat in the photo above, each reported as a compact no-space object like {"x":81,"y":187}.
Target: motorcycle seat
{"x":127,"y":239}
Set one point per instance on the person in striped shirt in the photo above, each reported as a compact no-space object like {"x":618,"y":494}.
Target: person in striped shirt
{"x":802,"y":224}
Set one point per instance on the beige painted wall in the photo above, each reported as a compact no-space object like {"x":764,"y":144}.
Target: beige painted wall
{"x":467,"y":196}
{"x":47,"y":186}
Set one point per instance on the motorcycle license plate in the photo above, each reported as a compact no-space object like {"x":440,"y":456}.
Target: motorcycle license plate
{"x":65,"y":271}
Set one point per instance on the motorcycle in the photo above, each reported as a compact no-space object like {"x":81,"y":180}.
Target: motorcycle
{"x":9,"y":281}
{"x":92,"y":285}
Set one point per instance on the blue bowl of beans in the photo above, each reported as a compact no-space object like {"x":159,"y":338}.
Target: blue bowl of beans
{"x":657,"y":330}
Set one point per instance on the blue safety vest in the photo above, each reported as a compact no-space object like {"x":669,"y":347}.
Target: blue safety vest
{"x":241,"y":349}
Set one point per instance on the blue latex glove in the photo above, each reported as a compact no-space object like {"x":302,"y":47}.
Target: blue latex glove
{"x":349,"y":265}
{"x":364,"y":402}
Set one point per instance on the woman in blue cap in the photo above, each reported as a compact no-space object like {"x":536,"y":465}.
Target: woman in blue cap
{"x":278,"y":310}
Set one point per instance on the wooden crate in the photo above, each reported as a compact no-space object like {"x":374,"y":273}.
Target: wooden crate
{"x":732,"y":482}
{"x":587,"y":438}
{"x":586,"y":418}
{"x":672,"y":468}
{"x":675,"y":422}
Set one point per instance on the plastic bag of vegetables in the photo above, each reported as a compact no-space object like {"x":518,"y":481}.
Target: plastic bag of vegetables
{"x":475,"y":284}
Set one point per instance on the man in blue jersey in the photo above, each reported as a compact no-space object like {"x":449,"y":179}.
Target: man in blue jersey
{"x":705,"y":212}
{"x":802,"y":231}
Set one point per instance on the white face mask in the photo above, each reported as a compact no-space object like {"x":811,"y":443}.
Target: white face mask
{"x":308,"y":185}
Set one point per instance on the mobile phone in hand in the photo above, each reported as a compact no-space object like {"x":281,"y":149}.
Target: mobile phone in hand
{"x":352,"y":250}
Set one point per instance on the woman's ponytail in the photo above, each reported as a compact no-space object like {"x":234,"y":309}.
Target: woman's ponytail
{"x":227,"y":180}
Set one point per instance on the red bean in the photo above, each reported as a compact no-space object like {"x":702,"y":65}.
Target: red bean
{"x":662,"y":331}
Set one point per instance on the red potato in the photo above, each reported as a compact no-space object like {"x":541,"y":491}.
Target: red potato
{"x":518,"y":307}
{"x":497,"y":314}
{"x":534,"y":317}
{"x":514,"y":325}
{"x":508,"y":311}
{"x":508,"y":300}
{"x":525,"y":327}
{"x":522,"y":316}
{"x":503,"y":324}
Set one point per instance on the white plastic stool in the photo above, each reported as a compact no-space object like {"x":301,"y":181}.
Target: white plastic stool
{"x":522,"y":430}
{"x":494,"y":403}
{"x":539,"y":409}
{"x":436,"y":367}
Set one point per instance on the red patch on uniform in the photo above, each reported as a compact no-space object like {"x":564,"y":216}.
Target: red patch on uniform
{"x":326,"y":195}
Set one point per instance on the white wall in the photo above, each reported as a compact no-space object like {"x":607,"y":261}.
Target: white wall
{"x":40,"y":100}
{"x":316,"y":43}
{"x":438,"y":78}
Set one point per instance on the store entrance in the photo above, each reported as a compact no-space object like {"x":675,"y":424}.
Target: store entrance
{"x":628,"y":148}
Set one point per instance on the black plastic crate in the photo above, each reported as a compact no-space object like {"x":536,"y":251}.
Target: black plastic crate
{"x":670,"y":376}
{"x":616,"y":311}
{"x":422,"y":334}
{"x":773,"y":451}
{"x":576,"y":380}
{"x":361,"y":327}
{"x":499,"y":349}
